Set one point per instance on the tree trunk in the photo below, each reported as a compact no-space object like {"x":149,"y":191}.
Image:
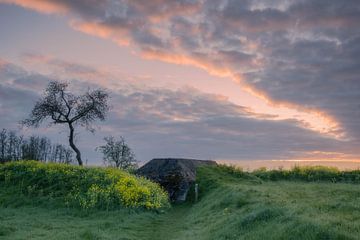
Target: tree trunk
{"x":72,"y":145}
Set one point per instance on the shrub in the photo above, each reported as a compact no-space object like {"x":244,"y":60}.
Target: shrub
{"x":83,"y":187}
{"x":310,"y":173}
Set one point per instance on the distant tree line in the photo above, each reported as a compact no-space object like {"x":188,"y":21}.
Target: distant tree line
{"x":15,"y":147}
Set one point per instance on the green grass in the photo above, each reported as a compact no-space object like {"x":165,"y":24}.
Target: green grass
{"x":232,"y":205}
{"x":244,"y":207}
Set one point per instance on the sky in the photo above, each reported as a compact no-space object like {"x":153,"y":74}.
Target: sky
{"x":225,"y":80}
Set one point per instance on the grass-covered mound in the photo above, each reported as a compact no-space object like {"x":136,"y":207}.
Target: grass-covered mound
{"x":318,"y":203}
{"x":82,"y":187}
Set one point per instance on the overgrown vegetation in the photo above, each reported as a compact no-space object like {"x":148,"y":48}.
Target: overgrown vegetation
{"x":80,"y":187}
{"x":233,"y":204}
{"x":310,"y":173}
{"x":304,"y":173}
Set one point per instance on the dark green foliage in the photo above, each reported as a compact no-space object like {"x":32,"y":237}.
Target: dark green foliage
{"x":5,"y":231}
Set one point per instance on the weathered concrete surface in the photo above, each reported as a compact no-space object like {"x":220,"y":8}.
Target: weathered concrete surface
{"x":175,"y":175}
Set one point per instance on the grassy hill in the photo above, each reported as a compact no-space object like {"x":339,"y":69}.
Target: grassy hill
{"x":81,"y":187}
{"x":306,"y":203}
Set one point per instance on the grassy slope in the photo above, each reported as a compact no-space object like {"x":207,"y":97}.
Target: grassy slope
{"x":230,"y":208}
{"x":249,"y":209}
{"x":83,"y":187}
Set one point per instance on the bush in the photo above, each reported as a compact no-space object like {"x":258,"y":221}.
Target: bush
{"x":310,"y":173}
{"x":83,"y":187}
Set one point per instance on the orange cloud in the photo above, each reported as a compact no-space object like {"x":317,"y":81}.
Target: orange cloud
{"x":183,"y":59}
{"x":313,"y":119}
{"x":43,"y":6}
{"x":120,"y":36}
{"x":310,"y":118}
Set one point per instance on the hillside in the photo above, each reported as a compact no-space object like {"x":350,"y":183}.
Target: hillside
{"x":82,"y":187}
{"x":232,"y":205}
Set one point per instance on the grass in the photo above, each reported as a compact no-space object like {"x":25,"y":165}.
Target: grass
{"x":232,"y":205}
{"x":32,"y":222}
{"x":235,"y":207}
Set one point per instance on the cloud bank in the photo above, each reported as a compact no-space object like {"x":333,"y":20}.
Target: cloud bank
{"x":298,"y":53}
{"x":160,"y":122}
{"x":302,"y":54}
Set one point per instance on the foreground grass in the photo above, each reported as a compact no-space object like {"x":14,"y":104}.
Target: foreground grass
{"x":23,"y":217}
{"x":43,"y":223}
{"x":232,"y":205}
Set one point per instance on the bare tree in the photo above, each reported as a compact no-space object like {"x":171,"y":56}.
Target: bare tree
{"x":3,"y":145}
{"x":31,"y":148}
{"x":44,"y":148}
{"x":20,"y":142}
{"x":68,"y":155}
{"x":15,"y":147}
{"x":12,"y":142}
{"x":63,"y":107}
{"x":117,"y":153}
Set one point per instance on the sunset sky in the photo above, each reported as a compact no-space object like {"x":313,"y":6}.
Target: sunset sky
{"x":223,"y":80}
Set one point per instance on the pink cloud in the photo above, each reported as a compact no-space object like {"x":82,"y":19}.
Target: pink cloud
{"x":44,"y":6}
{"x":232,"y":41}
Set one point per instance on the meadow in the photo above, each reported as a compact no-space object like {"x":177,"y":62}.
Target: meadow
{"x":304,"y":203}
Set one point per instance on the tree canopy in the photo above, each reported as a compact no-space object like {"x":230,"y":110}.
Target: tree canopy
{"x":63,"y":107}
{"x":117,"y":153}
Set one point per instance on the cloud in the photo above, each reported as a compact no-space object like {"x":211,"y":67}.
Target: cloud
{"x":161,"y":122}
{"x":41,"y":6}
{"x":290,"y":53}
{"x":300,"y":54}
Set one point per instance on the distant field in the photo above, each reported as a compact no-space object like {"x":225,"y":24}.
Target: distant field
{"x":232,"y":205}
{"x":288,"y":164}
